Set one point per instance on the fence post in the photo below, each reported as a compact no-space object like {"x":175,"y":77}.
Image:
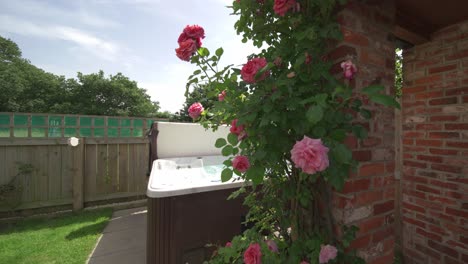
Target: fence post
{"x":77,"y":154}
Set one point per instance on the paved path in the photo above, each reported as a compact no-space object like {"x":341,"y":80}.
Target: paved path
{"x":123,"y":240}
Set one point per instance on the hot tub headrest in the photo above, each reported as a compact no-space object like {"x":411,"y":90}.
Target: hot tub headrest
{"x":187,"y":140}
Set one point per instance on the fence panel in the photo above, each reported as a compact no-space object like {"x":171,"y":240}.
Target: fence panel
{"x":37,"y":165}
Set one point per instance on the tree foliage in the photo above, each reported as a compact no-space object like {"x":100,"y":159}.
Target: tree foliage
{"x":27,"y":88}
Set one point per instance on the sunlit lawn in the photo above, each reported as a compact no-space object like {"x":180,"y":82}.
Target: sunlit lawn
{"x":65,"y":239}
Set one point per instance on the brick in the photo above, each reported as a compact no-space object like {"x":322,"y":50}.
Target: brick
{"x":413,"y":207}
{"x":370,"y":57}
{"x":455,"y":109}
{"x":457,"y":91}
{"x":426,"y":219}
{"x":382,"y":234}
{"x":354,"y":38}
{"x":443,"y":249}
{"x":444,"y":135}
{"x":428,"y":62}
{"x":360,"y":242}
{"x":356,"y":185}
{"x":443,"y":101}
{"x":415,"y":164}
{"x":444,"y":118}
{"x":441,"y":200}
{"x":456,"y":126}
{"x":385,"y":207}
{"x":366,"y":198}
{"x":341,"y":52}
{"x":457,"y":55}
{"x":446,"y":185}
{"x":429,"y":79}
{"x":448,"y":260}
{"x":427,"y":95}
{"x":429,"y":205}
{"x":428,"y":126}
{"x":457,"y":144}
{"x":430,"y":174}
{"x":428,"y":143}
{"x":446,"y":168}
{"x":383,"y":181}
{"x":456,"y":212}
{"x":453,"y":243}
{"x":371,"y":142}
{"x":351,"y":142}
{"x":430,"y":158}
{"x":407,"y":141}
{"x":362,"y":155}
{"x":414,"y":222}
{"x":437,"y":229}
{"x":370,"y":224}
{"x":424,"y":188}
{"x":429,"y":235}
{"x":445,"y":68}
{"x":416,"y":179}
{"x":449,"y":152}
{"x":427,"y":251}
{"x":372,"y":169}
{"x":413,"y":134}
{"x":414,"y":89}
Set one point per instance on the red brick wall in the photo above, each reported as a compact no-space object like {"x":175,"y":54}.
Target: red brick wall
{"x":435,"y":149}
{"x":368,"y":197}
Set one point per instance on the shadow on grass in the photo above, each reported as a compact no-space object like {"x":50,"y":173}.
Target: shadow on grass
{"x":87,"y":230}
{"x":58,"y":221}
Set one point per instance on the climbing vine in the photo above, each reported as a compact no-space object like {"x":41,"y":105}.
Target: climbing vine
{"x":289,"y":117}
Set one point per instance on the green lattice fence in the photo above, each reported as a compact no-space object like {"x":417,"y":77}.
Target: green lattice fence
{"x":24,"y":125}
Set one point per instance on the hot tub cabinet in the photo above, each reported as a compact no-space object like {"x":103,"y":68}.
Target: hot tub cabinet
{"x":188,"y":209}
{"x":180,"y":227}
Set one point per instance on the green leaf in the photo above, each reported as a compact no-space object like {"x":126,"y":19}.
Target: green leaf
{"x":373,"y":89}
{"x":219,"y":52}
{"x":196,"y":72}
{"x":256,"y":174}
{"x":319,"y":131}
{"x":359,"y":131}
{"x":227,"y":150}
{"x":232,"y":139}
{"x":338,"y":134}
{"x":226,"y":175}
{"x":227,"y":163}
{"x":365,"y":113}
{"x":204,"y":52}
{"x":220,"y":142}
{"x":314,"y":114}
{"x":384,"y":100}
{"x":342,"y":153}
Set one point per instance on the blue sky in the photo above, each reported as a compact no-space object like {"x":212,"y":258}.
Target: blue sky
{"x":135,"y":37}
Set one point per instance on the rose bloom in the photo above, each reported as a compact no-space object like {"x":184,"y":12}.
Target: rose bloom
{"x":282,"y":6}
{"x":272,"y":246}
{"x":194,"y":31}
{"x":195,"y":110}
{"x":253,"y":255}
{"x":228,"y":244}
{"x":221,"y":96}
{"x":236,"y":130}
{"x":327,"y":253}
{"x":310,"y":155}
{"x":186,"y":49}
{"x":241,"y":163}
{"x":251,"y":68}
{"x":349,"y":69}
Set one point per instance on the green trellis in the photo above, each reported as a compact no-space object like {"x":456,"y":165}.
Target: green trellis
{"x":28,"y":125}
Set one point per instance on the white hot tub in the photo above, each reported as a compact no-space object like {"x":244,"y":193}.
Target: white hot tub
{"x":188,"y":175}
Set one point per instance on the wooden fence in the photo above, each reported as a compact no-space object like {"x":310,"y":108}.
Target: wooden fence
{"x":45,"y":171}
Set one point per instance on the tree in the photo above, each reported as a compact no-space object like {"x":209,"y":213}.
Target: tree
{"x":199,"y":94}
{"x":27,"y":88}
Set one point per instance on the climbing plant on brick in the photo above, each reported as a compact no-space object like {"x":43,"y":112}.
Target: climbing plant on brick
{"x":289,"y":117}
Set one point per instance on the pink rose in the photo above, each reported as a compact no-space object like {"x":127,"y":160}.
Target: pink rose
{"x":251,"y":68}
{"x":310,"y":155}
{"x":253,"y":255}
{"x":236,"y":130}
{"x":186,"y":49}
{"x":228,"y":244}
{"x":349,"y":69}
{"x":282,"y":6}
{"x":272,"y":246}
{"x":221,"y":96}
{"x":327,"y":253}
{"x":195,"y":110}
{"x":241,"y":163}
{"x":194,"y":31}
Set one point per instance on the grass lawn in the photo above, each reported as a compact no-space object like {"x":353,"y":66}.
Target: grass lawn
{"x":65,"y":239}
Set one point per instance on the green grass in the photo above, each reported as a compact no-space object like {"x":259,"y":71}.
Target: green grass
{"x":65,"y":239}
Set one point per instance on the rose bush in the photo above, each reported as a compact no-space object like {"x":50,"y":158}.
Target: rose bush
{"x":290,"y":116}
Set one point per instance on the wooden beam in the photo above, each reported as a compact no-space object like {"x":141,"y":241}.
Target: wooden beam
{"x":409,"y":36}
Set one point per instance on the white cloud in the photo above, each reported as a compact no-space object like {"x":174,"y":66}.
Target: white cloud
{"x":99,"y":47}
